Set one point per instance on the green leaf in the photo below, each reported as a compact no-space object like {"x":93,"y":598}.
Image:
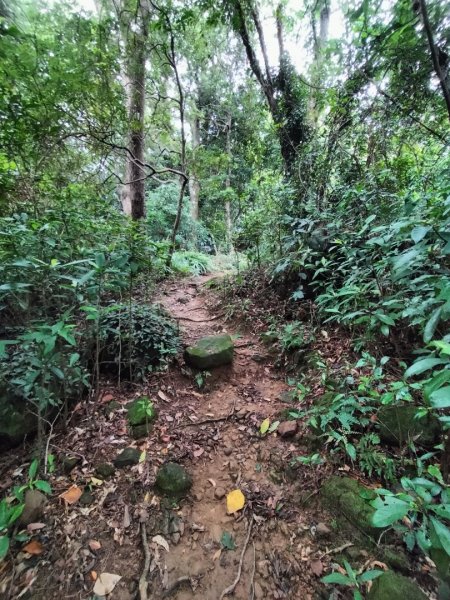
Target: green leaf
{"x":392,"y":509}
{"x":425,"y":364}
{"x":431,"y":325}
{"x":442,"y":532}
{"x":442,"y":510}
{"x":441,"y":397}
{"x":274,"y":426}
{"x":264,"y":427}
{"x":4,"y":546}
{"x":227,"y":541}
{"x":418,"y":233}
{"x":44,"y":486}
{"x":337,"y":578}
{"x":371,"y":575}
{"x":33,"y":469}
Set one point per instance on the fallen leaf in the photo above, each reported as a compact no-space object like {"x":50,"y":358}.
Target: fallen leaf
{"x":217,"y":554}
{"x":169,"y":418}
{"x":94,"y":545}
{"x":198,"y":452}
{"x":163,"y":396}
{"x":142,"y":456}
{"x":96,"y":481}
{"x":35,"y":527}
{"x":126,"y":517}
{"x":34,"y":547}
{"x":212,"y":482}
{"x":71,"y":495}
{"x":94,"y":575}
{"x":227,"y":541}
{"x":235,"y":501}
{"x":158,"y":539}
{"x":107,"y":398}
{"x":264,"y":426}
{"x":317,"y":567}
{"x":105,"y":583}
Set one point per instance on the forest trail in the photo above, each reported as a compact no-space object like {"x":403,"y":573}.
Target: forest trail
{"x":214,"y":433}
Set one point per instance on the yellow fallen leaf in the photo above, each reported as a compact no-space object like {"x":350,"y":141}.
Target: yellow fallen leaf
{"x":264,"y":426}
{"x":71,"y":495}
{"x":235,"y":501}
{"x":96,"y":481}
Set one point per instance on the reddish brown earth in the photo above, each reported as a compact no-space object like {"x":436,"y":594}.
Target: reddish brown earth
{"x":284,"y":555}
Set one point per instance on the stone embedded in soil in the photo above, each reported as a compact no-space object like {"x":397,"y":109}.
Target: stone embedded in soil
{"x":343,"y":497}
{"x":140,"y":411}
{"x":70,"y":462}
{"x":140,"y":431}
{"x":322,"y":530}
{"x":105,"y":470}
{"x":173,"y":479}
{"x":398,"y":424}
{"x":211,"y":351}
{"x":219,"y":493}
{"x":396,"y":558}
{"x":34,"y":507}
{"x":16,"y":423}
{"x":228,"y":451}
{"x":87,"y":498}
{"x":128,"y":457}
{"x":391,"y":586}
{"x":287,"y":429}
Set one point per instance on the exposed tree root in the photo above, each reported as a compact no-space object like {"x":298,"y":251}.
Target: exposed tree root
{"x":230,"y":589}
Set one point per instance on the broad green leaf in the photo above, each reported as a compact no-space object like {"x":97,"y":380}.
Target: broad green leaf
{"x":442,"y":510}
{"x":371,"y":575}
{"x":227,"y":541}
{"x":441,"y":397}
{"x":33,"y":469}
{"x":418,"y":233}
{"x":431,"y":325}
{"x":425,"y":364}
{"x":264,"y":427}
{"x":43,"y":486}
{"x":393,"y":510}
{"x":442,"y":532}
{"x":4,"y":546}
{"x":337,"y":578}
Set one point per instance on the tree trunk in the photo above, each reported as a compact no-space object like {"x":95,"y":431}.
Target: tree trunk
{"x":228,"y":220}
{"x":194,"y":183}
{"x":317,"y":66}
{"x":133,"y":189}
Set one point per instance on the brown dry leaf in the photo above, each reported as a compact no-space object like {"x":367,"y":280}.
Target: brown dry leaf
{"x":93,"y":575}
{"x":35,"y":527}
{"x":217,"y":554}
{"x":94,"y":545}
{"x":107,"y":398}
{"x":71,"y":495}
{"x":163,"y":396}
{"x":105,"y":583}
{"x":198,"y":453}
{"x":235,"y":501}
{"x":33,"y":547}
{"x":317,"y":567}
{"x":158,"y":539}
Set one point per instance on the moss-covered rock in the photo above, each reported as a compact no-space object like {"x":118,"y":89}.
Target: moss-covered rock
{"x":140,"y":410}
{"x":391,"y":586}
{"x":345,"y":497}
{"x":128,"y":457}
{"x":141,"y":431}
{"x":16,"y":423}
{"x":173,"y":479}
{"x":70,"y":462}
{"x":211,"y":351}
{"x":105,"y":470}
{"x":396,"y":558}
{"x":398,"y":424}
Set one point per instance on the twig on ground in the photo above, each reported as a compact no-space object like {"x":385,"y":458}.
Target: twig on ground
{"x":173,"y":586}
{"x":337,"y":550}
{"x":251,"y":594}
{"x":212,"y":419}
{"x":230,"y":589}
{"x":143,"y":584}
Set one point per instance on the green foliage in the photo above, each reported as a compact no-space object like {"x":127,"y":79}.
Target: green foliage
{"x":136,"y":339}
{"x":352,"y":579}
{"x":191,"y":263}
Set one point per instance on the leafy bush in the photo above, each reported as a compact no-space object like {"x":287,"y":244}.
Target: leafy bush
{"x":135,"y":339}
{"x":191,"y":263}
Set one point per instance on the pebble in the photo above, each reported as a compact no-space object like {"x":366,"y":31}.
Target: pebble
{"x":322,"y":529}
{"x":287,"y":429}
{"x":219,"y":493}
{"x":228,"y":451}
{"x":195,"y":536}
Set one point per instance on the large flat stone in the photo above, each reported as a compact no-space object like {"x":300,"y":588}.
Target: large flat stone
{"x":211,"y":351}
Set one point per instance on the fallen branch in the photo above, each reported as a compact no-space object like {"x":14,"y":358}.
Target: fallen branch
{"x":336,"y":550}
{"x":143,"y":584}
{"x":173,"y":586}
{"x":212,"y":419}
{"x":230,"y":589}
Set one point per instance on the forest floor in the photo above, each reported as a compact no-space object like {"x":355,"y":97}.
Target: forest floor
{"x":282,"y":546}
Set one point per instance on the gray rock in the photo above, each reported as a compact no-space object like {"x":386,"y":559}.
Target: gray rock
{"x":209,"y":352}
{"x":173,"y":479}
{"x":34,"y":507}
{"x":128,"y":456}
{"x":287,"y":429}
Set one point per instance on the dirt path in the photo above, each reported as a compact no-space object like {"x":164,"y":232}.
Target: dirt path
{"x":221,"y":455}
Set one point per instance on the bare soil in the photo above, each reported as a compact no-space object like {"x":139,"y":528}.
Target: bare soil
{"x":213,"y":431}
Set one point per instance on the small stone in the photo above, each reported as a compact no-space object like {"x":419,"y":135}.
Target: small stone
{"x":176,"y":537}
{"x":141,"y":431}
{"x":322,"y":530}
{"x":34,"y":507}
{"x":198,"y":497}
{"x":105,"y":470}
{"x":219,"y":493}
{"x":86,"y":498}
{"x":70,"y":462}
{"x":128,"y":456}
{"x":195,"y":536}
{"x":287,"y":429}
{"x":173,"y":479}
{"x":228,"y":451}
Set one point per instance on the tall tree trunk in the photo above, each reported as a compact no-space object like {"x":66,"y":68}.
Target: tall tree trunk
{"x":134,"y":38}
{"x":320,"y":40}
{"x":228,"y":219}
{"x":194,"y":183}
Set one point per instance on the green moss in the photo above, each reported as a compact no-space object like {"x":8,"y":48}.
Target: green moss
{"x":15,"y":422}
{"x":173,"y":479}
{"x":343,"y":496}
{"x":141,"y":411}
{"x":391,"y":586}
{"x":398,"y":424}
{"x":211,"y":351}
